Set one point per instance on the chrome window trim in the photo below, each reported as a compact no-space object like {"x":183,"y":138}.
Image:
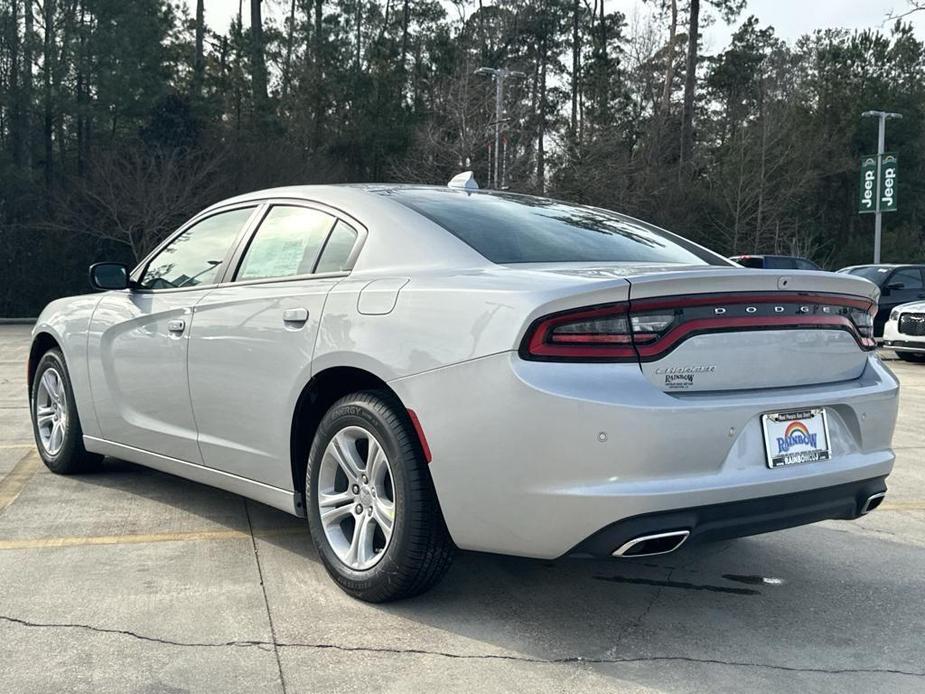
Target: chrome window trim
{"x":139,"y":270}
{"x":241,"y":254}
{"x":228,"y":279}
{"x":278,"y":280}
{"x":242,"y":241}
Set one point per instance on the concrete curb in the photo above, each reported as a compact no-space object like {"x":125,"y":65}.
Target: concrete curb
{"x":17,"y":321}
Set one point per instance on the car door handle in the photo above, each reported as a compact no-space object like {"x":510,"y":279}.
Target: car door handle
{"x":295,"y":316}
{"x":177,"y":325}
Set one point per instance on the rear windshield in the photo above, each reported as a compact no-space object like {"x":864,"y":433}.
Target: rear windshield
{"x":780,"y":262}
{"x":750,"y":261}
{"x":509,"y":228}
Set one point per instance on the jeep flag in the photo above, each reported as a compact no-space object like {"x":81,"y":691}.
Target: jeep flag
{"x":889,"y":165}
{"x":874,"y":191}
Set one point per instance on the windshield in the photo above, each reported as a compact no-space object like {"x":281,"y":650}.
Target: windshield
{"x":510,"y":228}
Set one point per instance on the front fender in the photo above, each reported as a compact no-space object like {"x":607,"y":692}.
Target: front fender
{"x":65,"y":323}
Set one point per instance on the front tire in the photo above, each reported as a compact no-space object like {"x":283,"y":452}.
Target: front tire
{"x":911,"y":356}
{"x":372,"y":509}
{"x":55,"y":424}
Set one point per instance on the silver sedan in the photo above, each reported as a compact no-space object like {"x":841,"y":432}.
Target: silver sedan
{"x":420,"y":369}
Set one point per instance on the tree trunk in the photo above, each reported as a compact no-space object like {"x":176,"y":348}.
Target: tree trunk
{"x":238,"y":73}
{"x":258,"y":61}
{"x":318,"y":72}
{"x":67,"y":27}
{"x":405,"y":20}
{"x":416,"y":79}
{"x":484,"y":47}
{"x":669,"y":59}
{"x":534,"y":108}
{"x":762,"y":169}
{"x":359,"y":37}
{"x":27,"y":64}
{"x":541,"y":134}
{"x":605,"y":73}
{"x":48,"y":63}
{"x":199,"y":58}
{"x":576,"y":67}
{"x":287,"y":66}
{"x":81,"y":89}
{"x":15,"y":107}
{"x":690,"y":84}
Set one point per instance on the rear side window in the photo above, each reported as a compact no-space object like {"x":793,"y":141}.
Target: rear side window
{"x":337,"y":250}
{"x":508,"y":228}
{"x":286,"y":244}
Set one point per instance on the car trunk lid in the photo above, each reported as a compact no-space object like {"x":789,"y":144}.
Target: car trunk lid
{"x":747,"y":329}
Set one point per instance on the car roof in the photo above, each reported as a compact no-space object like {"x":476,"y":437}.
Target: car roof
{"x":356,"y":190}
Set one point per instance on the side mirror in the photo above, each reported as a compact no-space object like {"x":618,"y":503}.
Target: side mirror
{"x":107,"y":276}
{"x":893,"y":286}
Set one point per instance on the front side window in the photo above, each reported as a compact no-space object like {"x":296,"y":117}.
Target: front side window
{"x":286,"y":244}
{"x":195,"y":257}
{"x":508,"y":228}
{"x":909,"y":278}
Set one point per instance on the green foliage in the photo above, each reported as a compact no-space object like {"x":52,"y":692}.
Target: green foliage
{"x":109,"y":137}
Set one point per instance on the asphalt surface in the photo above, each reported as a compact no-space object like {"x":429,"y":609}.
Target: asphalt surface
{"x":132,"y":580}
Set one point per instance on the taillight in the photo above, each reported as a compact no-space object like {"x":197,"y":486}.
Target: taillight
{"x":650,"y":328}
{"x":864,"y":323}
{"x":600,"y":332}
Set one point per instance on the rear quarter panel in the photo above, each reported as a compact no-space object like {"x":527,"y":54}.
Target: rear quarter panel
{"x":441,"y":319}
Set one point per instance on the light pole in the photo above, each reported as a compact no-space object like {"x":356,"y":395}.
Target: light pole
{"x":498,"y":75}
{"x":881,"y":143}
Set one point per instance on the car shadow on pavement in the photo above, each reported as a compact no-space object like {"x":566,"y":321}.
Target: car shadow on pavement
{"x":813,"y":598}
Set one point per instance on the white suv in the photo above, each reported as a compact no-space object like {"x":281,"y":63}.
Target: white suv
{"x":904,"y":332}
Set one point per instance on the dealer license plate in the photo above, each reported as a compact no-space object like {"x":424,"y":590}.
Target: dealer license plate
{"x":791,"y":438}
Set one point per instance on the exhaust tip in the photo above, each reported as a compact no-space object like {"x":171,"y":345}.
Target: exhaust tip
{"x":650,"y":545}
{"x":872,"y":502}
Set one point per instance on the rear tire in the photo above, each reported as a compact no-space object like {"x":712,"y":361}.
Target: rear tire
{"x":396,"y":545}
{"x":911,"y":356}
{"x":55,"y":424}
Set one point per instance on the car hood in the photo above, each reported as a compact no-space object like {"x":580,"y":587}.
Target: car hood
{"x":917,"y":306}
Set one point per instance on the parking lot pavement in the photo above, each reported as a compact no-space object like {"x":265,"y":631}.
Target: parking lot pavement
{"x":131,"y":580}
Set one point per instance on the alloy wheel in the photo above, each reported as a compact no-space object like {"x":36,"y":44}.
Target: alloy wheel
{"x":356,"y":497}
{"x":51,"y":411}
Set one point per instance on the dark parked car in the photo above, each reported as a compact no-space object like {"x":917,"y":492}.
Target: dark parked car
{"x":899,"y":284}
{"x":775,"y":262}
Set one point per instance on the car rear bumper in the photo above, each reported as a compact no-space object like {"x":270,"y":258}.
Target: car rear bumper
{"x":533,"y":458}
{"x":737,"y":518}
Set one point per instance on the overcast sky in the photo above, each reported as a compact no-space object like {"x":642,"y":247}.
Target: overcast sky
{"x":790,"y":18}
